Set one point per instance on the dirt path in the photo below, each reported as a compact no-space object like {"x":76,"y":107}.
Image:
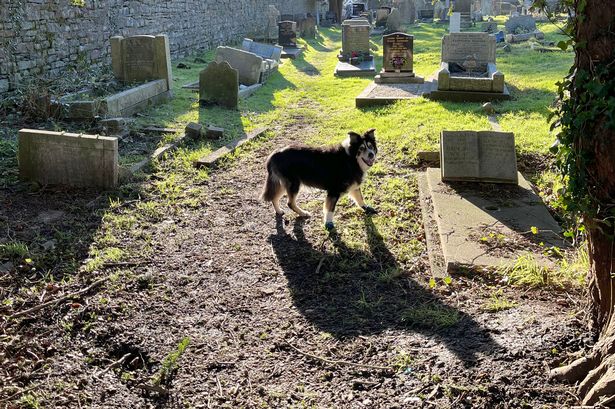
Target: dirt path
{"x":272,"y":307}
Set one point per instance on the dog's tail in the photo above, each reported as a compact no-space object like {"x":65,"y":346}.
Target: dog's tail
{"x":272,"y":184}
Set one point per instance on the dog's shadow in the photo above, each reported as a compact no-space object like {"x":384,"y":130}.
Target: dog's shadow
{"x":349,"y":292}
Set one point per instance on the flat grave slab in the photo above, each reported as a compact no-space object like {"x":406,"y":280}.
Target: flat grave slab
{"x":291,"y":52}
{"x":484,"y":225}
{"x":382,"y":94}
{"x":365,"y":68}
{"x":213,"y":158}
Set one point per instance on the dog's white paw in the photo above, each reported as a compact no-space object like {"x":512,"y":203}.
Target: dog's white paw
{"x":305,"y":214}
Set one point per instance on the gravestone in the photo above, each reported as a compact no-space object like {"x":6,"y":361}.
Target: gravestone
{"x":520,"y":25}
{"x":68,"y":159}
{"x":468,"y":71}
{"x":309,"y":27}
{"x":407,"y":10}
{"x":393,"y":21}
{"x":287,"y":33}
{"x":486,"y":7}
{"x":272,"y":23}
{"x":381,"y":16}
{"x":357,"y":9}
{"x":219,"y":84}
{"x":249,"y":65}
{"x":355,"y":37}
{"x":464,"y":7}
{"x":355,"y":58}
{"x":141,"y":58}
{"x":455,"y":22}
{"x":397,"y":60}
{"x":484,"y":156}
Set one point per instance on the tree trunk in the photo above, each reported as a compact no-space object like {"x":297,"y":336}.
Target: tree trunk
{"x":596,"y":372}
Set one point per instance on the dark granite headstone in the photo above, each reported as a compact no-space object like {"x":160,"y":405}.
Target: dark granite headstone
{"x":287,"y":34}
{"x":357,"y":9}
{"x":397,"y":52}
{"x":219,"y":84}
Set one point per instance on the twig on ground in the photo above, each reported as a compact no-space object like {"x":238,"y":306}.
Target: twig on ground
{"x":322,"y":260}
{"x":21,"y":392}
{"x":58,"y":300}
{"x":340,"y":362}
{"x":115,"y":364}
{"x":154,"y":388}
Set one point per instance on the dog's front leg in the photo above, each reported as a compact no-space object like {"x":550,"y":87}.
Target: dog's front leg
{"x":357,"y":197}
{"x":328,"y":210}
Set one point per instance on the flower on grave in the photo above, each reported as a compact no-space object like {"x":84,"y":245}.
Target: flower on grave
{"x":398,"y":61}
{"x":354,"y":54}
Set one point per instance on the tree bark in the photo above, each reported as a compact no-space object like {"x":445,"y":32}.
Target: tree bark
{"x":595,"y":35}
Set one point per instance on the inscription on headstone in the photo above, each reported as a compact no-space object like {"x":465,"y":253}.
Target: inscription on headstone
{"x":458,"y":47}
{"x":287,"y":33}
{"x":484,"y":156}
{"x":397,"y":52}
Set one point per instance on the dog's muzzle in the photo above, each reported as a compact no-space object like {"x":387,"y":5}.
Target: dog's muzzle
{"x":368,"y":161}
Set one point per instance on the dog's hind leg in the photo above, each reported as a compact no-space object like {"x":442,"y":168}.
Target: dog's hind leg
{"x":328,"y":210}
{"x":292,"y":190}
{"x":276,"y":200}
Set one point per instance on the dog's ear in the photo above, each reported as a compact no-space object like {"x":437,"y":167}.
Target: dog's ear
{"x":370,"y":134}
{"x":354,"y":137}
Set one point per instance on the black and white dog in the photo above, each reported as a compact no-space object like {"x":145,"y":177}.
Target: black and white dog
{"x":337,"y":170}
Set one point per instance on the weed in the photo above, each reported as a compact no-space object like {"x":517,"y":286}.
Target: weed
{"x":30,"y":401}
{"x":14,"y":250}
{"x":431,"y":316}
{"x":402,"y":361}
{"x":169,"y":364}
{"x":498,"y":303}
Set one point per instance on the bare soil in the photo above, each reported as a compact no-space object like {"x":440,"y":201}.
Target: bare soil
{"x":278,"y":314}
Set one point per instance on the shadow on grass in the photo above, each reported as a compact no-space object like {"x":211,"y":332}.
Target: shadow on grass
{"x":352,"y":292}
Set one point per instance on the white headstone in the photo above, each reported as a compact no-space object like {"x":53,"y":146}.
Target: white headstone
{"x":455,"y":23}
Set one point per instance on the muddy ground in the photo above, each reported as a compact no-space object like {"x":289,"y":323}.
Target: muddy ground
{"x":277,"y":313}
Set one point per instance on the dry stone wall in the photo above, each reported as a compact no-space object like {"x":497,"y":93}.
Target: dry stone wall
{"x":51,"y":38}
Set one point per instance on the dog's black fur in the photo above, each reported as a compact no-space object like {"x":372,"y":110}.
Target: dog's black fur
{"x":336,"y":169}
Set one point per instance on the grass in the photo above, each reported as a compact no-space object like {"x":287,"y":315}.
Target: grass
{"x":431,"y":316}
{"x":169,"y":364}
{"x":497,"y":302}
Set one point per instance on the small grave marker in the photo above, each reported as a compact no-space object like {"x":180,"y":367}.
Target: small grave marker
{"x":219,"y":84}
{"x":287,"y":33}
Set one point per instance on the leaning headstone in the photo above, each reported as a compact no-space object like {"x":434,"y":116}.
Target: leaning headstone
{"x":287,"y":33}
{"x":397,"y":60}
{"x":249,"y":65}
{"x":484,"y":156}
{"x":141,"y":58}
{"x":393,"y":21}
{"x":219,"y":84}
{"x":455,"y":22}
{"x":520,"y":25}
{"x":68,"y":159}
{"x":272,"y":23}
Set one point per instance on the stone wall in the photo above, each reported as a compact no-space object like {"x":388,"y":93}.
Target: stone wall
{"x":43,"y":38}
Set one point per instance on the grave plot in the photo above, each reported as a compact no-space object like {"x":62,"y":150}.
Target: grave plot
{"x":142,"y":69}
{"x":355,"y":58}
{"x":396,"y":81}
{"x":287,"y":38}
{"x":486,"y":213}
{"x":468,"y":71}
{"x":522,"y":28}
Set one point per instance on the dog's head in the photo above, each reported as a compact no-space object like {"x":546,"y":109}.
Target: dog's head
{"x":362,"y":147}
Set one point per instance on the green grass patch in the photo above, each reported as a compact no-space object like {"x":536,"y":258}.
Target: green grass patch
{"x":431,"y":316}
